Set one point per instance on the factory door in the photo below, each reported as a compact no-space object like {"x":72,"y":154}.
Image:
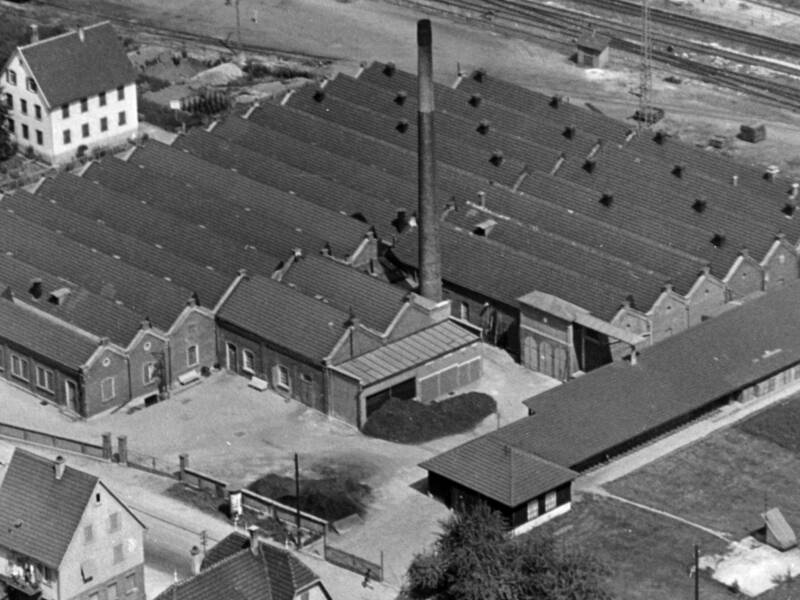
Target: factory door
{"x":71,"y":395}
{"x":530,"y":353}
{"x":405,"y":390}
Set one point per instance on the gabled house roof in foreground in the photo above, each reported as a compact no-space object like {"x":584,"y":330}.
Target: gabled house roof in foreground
{"x":237,"y":572}
{"x":75,"y":65}
{"x":499,"y":471}
{"x":38,"y":512}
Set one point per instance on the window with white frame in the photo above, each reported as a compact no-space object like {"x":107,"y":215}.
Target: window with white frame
{"x":102,"y":98}
{"x":549,"y":501}
{"x":84,"y":105}
{"x":108,"y":389}
{"x":85,"y":130}
{"x":121,"y":92}
{"x":282,"y":378}
{"x":192,"y":356}
{"x":20,"y":367}
{"x":37,"y":111}
{"x":150,"y":370}
{"x":11,"y":77}
{"x":104,"y":124}
{"x":533,"y":509}
{"x":44,"y":378}
{"x":9,"y":101}
{"x":67,"y":137}
{"x":114,"y":522}
{"x":65,"y":111}
{"x":31,"y":84}
{"x":23,"y":106}
{"x":248,"y":361}
{"x":121,"y":119}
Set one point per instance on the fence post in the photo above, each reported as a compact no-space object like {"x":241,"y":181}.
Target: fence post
{"x":183,"y":460}
{"x":122,"y":449}
{"x":108,"y":451}
{"x":382,"y":578}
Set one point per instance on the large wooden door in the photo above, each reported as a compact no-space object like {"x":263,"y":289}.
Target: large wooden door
{"x":530,"y":353}
{"x":231,"y":357}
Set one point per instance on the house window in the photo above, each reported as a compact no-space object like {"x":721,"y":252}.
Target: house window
{"x":102,"y":97}
{"x":31,"y":85}
{"x":464,"y":311}
{"x":65,"y":111}
{"x":282,"y":377}
{"x":111,"y":592}
{"x":94,"y":596}
{"x":19,"y":367}
{"x":10,"y":125}
{"x":84,"y":105}
{"x":39,"y":137}
{"x":304,"y":596}
{"x":88,"y":534}
{"x":11,"y":77}
{"x":149,"y":372}
{"x":87,"y":570}
{"x":192,"y":356}
{"x":121,"y":119}
{"x":113,"y":522}
{"x":107,"y":391}
{"x":191,"y":331}
{"x":533,"y":509}
{"x":23,"y":106}
{"x":67,"y":137}
{"x":85,"y":130}
{"x":549,"y":501}
{"x":2,"y":361}
{"x":44,"y":378}
{"x":10,"y":101}
{"x":118,"y":554}
{"x":37,"y":110}
{"x":121,"y":92}
{"x":25,"y":133}
{"x":130,"y":583}
{"x":248,"y":361}
{"x":104,"y":124}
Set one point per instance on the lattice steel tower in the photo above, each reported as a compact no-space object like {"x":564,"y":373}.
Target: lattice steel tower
{"x":646,"y":71}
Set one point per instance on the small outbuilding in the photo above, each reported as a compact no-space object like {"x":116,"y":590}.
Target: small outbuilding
{"x":753,"y":133}
{"x":776,"y":531}
{"x":593,"y":50}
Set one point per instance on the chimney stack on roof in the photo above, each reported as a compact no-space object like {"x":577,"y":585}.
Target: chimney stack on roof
{"x":794,"y":191}
{"x":197,"y":560}
{"x":475,"y":100}
{"x":430,"y":266}
{"x":36,"y":288}
{"x":34,"y":33}
{"x":735,"y":180}
{"x":81,"y":34}
{"x":252,"y":531}
{"x":634,"y":356}
{"x":58,"y":467}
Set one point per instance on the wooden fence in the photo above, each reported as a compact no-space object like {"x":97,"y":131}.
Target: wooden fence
{"x":354,"y":563}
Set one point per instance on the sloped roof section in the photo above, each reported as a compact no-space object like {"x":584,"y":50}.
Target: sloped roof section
{"x":39,"y":513}
{"x":67,"y":67}
{"x":499,"y":471}
{"x":237,"y":572}
{"x":408,"y":352}
{"x":44,"y":336}
{"x":779,"y":533}
{"x":277,"y":313}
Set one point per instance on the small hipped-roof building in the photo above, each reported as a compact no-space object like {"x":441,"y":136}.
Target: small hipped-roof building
{"x":777,"y":531}
{"x":592,"y":50}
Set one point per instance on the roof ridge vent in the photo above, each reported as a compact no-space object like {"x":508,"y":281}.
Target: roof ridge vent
{"x":402,"y":125}
{"x":483,"y":126}
{"x":389,"y":69}
{"x":497,"y":158}
{"x":607,"y":199}
{"x":479,"y":75}
{"x":475,"y":100}
{"x":679,"y":169}
{"x":699,"y":205}
{"x":660,"y":137}
{"x":589,"y":165}
{"x":789,"y":209}
{"x":569,"y":132}
{"x":319,"y":95}
{"x":401,"y":97}
{"x":556,"y":101}
{"x":718,"y":240}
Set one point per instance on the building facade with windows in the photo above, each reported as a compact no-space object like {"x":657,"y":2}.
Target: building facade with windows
{"x":71,"y":93}
{"x":64,"y":535}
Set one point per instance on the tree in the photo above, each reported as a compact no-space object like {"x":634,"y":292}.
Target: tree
{"x":475,"y":559}
{"x":7,"y":146}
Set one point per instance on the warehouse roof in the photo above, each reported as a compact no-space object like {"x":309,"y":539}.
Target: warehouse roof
{"x":411,"y":351}
{"x":275,"y":312}
{"x":116,"y":208}
{"x":208,"y":285}
{"x":140,"y":291}
{"x":92,"y":313}
{"x":78,"y":64}
{"x":499,"y":471}
{"x":372,"y":300}
{"x":43,"y":336}
{"x":602,"y":409}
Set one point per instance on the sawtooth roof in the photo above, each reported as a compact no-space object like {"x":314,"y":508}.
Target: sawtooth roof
{"x":116,"y":208}
{"x":275,"y":312}
{"x":42,"y":336}
{"x":140,"y":291}
{"x":241,"y":205}
{"x":237,"y":573}
{"x":81,"y":308}
{"x":375,"y":302}
{"x":499,"y":471}
{"x":39,"y":513}
{"x":66,"y":68}
{"x":208,"y":285}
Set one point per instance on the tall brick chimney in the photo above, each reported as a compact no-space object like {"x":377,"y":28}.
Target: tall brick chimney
{"x":430,"y":263}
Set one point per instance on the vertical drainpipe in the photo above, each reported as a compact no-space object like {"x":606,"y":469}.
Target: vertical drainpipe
{"x":429,"y":255}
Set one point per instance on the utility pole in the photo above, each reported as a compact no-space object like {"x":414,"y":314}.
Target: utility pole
{"x":646,"y":70}
{"x":238,"y":23}
{"x":696,"y":565}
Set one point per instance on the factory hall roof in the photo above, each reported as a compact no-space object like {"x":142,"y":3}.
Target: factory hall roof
{"x":78,"y":64}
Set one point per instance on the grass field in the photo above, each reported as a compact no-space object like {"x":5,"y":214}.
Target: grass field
{"x":779,"y":425}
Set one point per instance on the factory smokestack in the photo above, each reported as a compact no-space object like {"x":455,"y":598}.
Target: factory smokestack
{"x":430,"y":267}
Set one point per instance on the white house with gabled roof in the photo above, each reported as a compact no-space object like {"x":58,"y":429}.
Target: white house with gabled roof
{"x":70,"y":93}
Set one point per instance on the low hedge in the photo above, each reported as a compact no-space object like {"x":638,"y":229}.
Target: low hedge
{"x":412,"y":422}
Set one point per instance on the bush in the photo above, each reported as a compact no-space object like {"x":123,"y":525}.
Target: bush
{"x":411,"y":422}
{"x":153,"y":84}
{"x":164,"y":117}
